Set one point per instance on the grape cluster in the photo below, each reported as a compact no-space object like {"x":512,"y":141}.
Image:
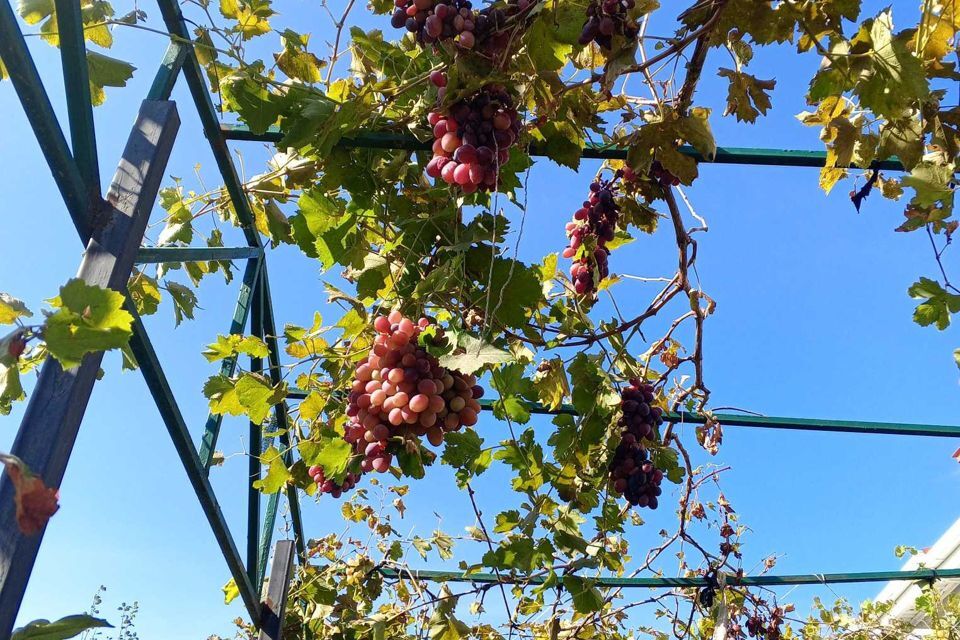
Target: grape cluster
{"x":472,"y":139}
{"x":632,"y":473}
{"x":401,"y":391}
{"x":435,"y":21}
{"x":607,"y":18}
{"x":329,"y":486}
{"x":595,"y":220}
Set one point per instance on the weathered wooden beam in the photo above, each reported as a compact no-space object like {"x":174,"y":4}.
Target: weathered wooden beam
{"x":56,"y":407}
{"x":275,"y":603}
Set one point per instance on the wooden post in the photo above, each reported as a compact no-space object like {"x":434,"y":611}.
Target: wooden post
{"x":56,"y":407}
{"x":275,"y":603}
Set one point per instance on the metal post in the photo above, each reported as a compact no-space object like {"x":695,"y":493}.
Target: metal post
{"x":275,"y":604}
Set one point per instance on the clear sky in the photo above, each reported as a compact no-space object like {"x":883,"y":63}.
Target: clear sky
{"x":812,"y":320}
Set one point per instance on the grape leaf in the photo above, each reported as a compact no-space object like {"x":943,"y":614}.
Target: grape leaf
{"x":747,"y":96}
{"x":251,"y":394}
{"x":472,"y":354}
{"x":87,"y":319}
{"x":277,"y":473}
{"x":938,"y":303}
{"x":331,"y":453}
{"x":105,"y":71}
{"x":11,"y":309}
{"x":232,"y":345}
{"x":184,"y":300}
{"x":66,"y":627}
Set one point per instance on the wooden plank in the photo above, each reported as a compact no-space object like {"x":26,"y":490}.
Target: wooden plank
{"x":275,"y":603}
{"x":52,"y":417}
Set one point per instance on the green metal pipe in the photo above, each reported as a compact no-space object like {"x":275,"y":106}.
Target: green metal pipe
{"x":76,"y":84}
{"x":266,"y":536}
{"x":241,"y":312}
{"x":168,"y":72}
{"x":731,"y":580}
{"x":159,"y":255}
{"x":276,"y":376}
{"x":197,"y":82}
{"x":177,"y":428}
{"x":36,"y":104}
{"x":255,"y":447}
{"x":765,"y":422}
{"x":725,"y":155}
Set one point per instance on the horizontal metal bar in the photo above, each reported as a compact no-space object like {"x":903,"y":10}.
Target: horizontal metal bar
{"x":725,"y":155}
{"x":155,"y":255}
{"x":764,"y":422}
{"x":82,"y":204}
{"x":731,"y":580}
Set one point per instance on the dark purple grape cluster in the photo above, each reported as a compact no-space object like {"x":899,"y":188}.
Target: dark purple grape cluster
{"x":329,"y":486}
{"x":597,"y":220}
{"x":435,"y":21}
{"x":606,"y":19}
{"x":632,"y":473}
{"x":472,"y":139}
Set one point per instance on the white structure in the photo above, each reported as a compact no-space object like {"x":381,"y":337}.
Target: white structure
{"x":944,"y":554}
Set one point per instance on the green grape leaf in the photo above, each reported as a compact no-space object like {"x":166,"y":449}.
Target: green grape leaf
{"x":295,"y":60}
{"x":12,"y":309}
{"x":105,"y":71}
{"x":184,"y":300}
{"x":938,"y":305}
{"x":562,"y":142}
{"x":747,"y":96}
{"x":586,"y":597}
{"x":145,"y":293}
{"x":331,"y":453}
{"x":232,"y":345}
{"x":472,"y":354}
{"x":277,"y":473}
{"x":551,"y":383}
{"x":66,"y":627}
{"x":87,"y":319}
{"x":251,"y":394}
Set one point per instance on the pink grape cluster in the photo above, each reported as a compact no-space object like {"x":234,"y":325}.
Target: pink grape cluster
{"x":329,"y":486}
{"x":472,"y":139}
{"x":401,"y":391}
{"x":595,"y":220}
{"x":607,"y":18}
{"x":632,"y":474}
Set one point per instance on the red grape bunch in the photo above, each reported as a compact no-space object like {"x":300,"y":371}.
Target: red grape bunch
{"x":401,"y":391}
{"x":437,"y":20}
{"x":472,"y":139}
{"x":631,"y":472}
{"x":595,"y":221}
{"x":607,"y":18}
{"x":329,"y":486}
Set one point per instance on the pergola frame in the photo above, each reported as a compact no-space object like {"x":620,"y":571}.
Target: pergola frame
{"x":112,"y":229}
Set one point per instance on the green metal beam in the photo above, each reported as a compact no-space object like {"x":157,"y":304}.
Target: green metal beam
{"x":276,"y":376}
{"x":76,"y":84}
{"x":197,"y":82}
{"x":36,"y":104}
{"x":255,"y":447}
{"x":168,"y":72}
{"x":177,"y":428}
{"x":732,"y":580}
{"x":765,"y":422}
{"x":266,"y":535}
{"x":725,"y":155}
{"x":159,"y":255}
{"x":211,"y":431}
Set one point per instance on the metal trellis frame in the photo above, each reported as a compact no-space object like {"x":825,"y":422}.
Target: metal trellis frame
{"x":112,"y":230}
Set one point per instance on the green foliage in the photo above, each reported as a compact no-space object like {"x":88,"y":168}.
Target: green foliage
{"x":86,"y":319}
{"x":67,"y":627}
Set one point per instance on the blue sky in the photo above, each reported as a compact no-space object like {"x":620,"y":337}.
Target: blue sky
{"x":812,"y":320}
